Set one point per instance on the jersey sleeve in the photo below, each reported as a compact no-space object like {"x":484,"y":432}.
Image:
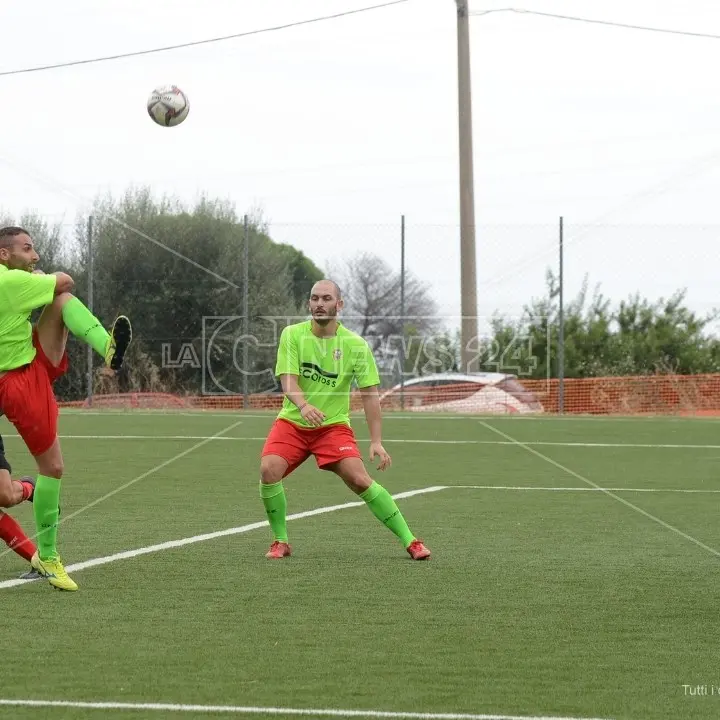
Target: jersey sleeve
{"x":365,"y":368}
{"x":287,"y":356}
{"x":22,"y":292}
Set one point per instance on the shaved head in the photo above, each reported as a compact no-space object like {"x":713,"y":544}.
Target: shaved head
{"x":325,"y":303}
{"x":320,"y":287}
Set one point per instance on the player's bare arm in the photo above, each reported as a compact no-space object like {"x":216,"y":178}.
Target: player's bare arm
{"x":292,"y":392}
{"x":373,"y":416}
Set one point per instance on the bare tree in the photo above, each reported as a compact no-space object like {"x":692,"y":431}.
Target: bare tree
{"x":49,"y":240}
{"x":371,"y":289}
{"x":372,"y":293}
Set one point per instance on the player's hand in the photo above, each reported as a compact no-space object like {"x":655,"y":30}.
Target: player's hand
{"x":312,"y":415}
{"x":377,"y":450}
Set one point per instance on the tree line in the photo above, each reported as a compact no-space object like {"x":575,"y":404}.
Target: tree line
{"x":637,"y":336}
{"x":178,"y":273}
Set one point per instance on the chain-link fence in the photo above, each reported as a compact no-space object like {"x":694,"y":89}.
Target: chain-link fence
{"x":208,"y":299}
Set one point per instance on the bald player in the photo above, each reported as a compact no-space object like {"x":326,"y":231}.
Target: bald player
{"x":317,"y":362}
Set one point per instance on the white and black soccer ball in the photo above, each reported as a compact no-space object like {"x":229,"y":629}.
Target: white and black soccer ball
{"x":168,"y":105}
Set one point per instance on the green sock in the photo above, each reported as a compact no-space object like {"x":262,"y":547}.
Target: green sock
{"x":380,"y":501}
{"x":275,"y":502}
{"x":85,"y":326}
{"x":45,"y":507}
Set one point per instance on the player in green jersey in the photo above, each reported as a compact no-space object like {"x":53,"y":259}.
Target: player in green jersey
{"x":31,"y":359}
{"x":317,"y":362}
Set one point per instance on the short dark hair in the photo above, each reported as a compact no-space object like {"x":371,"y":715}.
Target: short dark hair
{"x":13,"y":231}
{"x":8,"y":233}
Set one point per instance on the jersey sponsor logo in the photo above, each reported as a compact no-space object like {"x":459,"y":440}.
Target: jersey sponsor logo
{"x":310,"y":371}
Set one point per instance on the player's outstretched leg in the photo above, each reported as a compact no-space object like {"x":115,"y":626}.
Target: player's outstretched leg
{"x":111,"y":346}
{"x":68,"y":313}
{"x":13,"y":536}
{"x":272,"y":492}
{"x":381,"y":504}
{"x":13,"y":492}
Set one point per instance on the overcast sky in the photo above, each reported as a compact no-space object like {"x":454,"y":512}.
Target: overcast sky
{"x":338,"y":128}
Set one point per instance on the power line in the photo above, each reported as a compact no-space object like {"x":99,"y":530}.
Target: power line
{"x":695,"y":167}
{"x":202,"y":42}
{"x":599,"y":22}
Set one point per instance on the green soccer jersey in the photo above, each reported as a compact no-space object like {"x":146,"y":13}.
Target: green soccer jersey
{"x":21,"y":292}
{"x":325,"y":368}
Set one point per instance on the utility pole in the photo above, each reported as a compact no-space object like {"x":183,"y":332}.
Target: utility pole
{"x":468,"y":276}
{"x":561,"y":324}
{"x":246,"y":311}
{"x":402,"y":311}
{"x":90,"y":294}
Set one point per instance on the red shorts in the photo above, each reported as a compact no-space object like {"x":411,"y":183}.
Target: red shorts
{"x":28,"y":400}
{"x":296,"y":444}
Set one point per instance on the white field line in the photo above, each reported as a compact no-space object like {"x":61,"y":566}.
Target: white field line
{"x":160,"y":547}
{"x":137,"y":479}
{"x":307,"y":712}
{"x":431,"y":417}
{"x":170,"y":544}
{"x":587,"y":489}
{"x":607,"y":492}
{"x":413,"y":441}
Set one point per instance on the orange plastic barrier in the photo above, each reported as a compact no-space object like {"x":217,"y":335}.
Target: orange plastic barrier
{"x":648,"y":394}
{"x":653,"y":394}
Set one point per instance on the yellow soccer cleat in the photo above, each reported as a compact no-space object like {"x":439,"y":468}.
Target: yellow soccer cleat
{"x":120,"y":337}
{"x":54,"y":572}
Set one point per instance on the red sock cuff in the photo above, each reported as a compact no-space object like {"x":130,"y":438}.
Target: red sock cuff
{"x":12,"y":534}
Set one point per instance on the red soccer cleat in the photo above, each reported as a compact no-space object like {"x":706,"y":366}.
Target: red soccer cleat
{"x":278,"y":550}
{"x":417,"y":550}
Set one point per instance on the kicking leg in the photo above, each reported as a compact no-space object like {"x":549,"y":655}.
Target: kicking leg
{"x":51,"y":330}
{"x":67,"y":313}
{"x":381,"y":503}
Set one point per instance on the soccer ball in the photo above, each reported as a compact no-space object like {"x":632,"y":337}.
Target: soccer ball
{"x":168,"y":105}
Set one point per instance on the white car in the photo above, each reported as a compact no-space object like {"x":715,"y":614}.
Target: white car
{"x":490,"y":393}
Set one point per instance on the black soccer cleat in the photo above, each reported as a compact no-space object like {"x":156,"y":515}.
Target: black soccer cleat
{"x":31,"y":574}
{"x":120,"y":337}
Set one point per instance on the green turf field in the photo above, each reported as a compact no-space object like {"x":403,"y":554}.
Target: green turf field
{"x":545,"y":596}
